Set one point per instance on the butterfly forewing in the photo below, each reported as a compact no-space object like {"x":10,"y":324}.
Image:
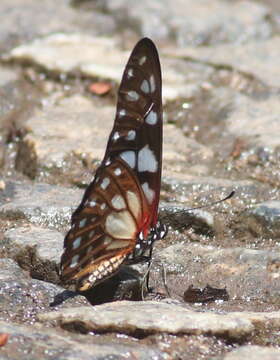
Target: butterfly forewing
{"x":137,"y":132}
{"x":122,"y":200}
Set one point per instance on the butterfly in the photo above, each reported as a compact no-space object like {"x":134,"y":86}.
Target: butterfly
{"x":117,"y":220}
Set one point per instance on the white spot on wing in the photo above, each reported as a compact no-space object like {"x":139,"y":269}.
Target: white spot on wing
{"x":74,"y":261}
{"x":152,"y":83}
{"x":82,"y":223}
{"x":118,"y":202}
{"x":116,"y":136}
{"x":147,"y":160}
{"x":129,"y":157}
{"x":132,"y":96}
{"x":150,"y":194}
{"x":130,"y":73}
{"x":142,"y":60}
{"x":118,"y":171}
{"x":133,"y":203}
{"x":92,"y":203}
{"x":103,"y":206}
{"x":122,"y":112}
{"x":120,"y":225}
{"x":151,"y":118}
{"x":105,"y":183}
{"x":131,"y":135}
{"x":145,"y":87}
{"x":77,"y":243}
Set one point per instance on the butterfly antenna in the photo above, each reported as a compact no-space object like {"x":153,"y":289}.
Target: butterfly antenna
{"x":213,"y":203}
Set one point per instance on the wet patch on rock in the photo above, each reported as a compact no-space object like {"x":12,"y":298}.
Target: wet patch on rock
{"x":22,"y":298}
{"x":250,"y":276}
{"x":41,"y":204}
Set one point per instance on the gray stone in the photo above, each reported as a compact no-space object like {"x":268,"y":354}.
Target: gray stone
{"x":262,"y":115}
{"x":16,"y":102}
{"x":97,"y":57}
{"x":41,"y":204}
{"x":151,"y":317}
{"x":46,"y":18}
{"x":35,"y":249}
{"x":246,"y":273}
{"x":253,"y":352}
{"x":264,"y":219}
{"x":21,"y":297}
{"x":237,"y":21}
{"x":187,"y":189}
{"x":180,"y":218}
{"x":179,"y":150}
{"x":257,"y":58}
{"x":37,"y":342}
{"x":47,"y":145}
{"x":7,"y":75}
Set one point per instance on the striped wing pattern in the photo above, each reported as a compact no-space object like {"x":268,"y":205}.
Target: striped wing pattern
{"x":120,"y":206}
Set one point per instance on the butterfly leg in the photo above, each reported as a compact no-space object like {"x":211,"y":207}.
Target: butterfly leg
{"x":158,"y":233}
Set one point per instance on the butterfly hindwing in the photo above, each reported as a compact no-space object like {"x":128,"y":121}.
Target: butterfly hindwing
{"x":122,"y":200}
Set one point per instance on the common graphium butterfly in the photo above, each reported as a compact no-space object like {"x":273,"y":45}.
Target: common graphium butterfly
{"x":117,"y":220}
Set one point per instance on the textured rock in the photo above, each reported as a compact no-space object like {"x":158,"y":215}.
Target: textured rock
{"x":264,"y":219}
{"x":47,"y":20}
{"x":252,"y":275}
{"x":247,"y":58}
{"x":41,"y":204}
{"x":237,"y":21}
{"x":180,"y":217}
{"x":262,"y":117}
{"x":35,"y":249}
{"x":253,"y":352}
{"x":151,"y":317}
{"x":7,"y":75}
{"x":33,"y":343}
{"x":186,"y":188}
{"x":47,"y":145}
{"x":22,"y":297}
{"x":179,"y":150}
{"x":220,"y":134}
{"x":100,"y":58}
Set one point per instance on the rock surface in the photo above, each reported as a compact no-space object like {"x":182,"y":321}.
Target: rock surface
{"x":220,"y":70}
{"x":40,"y":342}
{"x":257,"y":352}
{"x":22,"y":297}
{"x":41,"y":204}
{"x":153,"y":317}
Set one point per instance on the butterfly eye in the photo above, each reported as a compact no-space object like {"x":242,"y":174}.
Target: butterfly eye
{"x":120,"y":206}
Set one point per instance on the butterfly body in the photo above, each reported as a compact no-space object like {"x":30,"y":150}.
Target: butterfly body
{"x":120,"y":207}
